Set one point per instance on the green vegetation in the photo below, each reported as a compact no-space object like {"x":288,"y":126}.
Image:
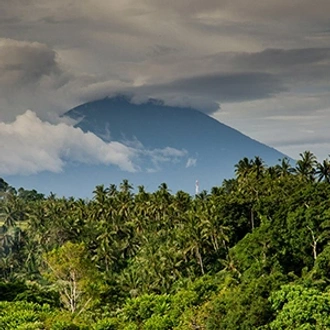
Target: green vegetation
{"x":251,"y":254}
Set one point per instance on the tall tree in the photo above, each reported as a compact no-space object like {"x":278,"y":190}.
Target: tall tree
{"x":323,"y":171}
{"x":305,"y":166}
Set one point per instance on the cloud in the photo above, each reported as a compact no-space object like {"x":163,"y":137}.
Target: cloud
{"x":273,"y":59}
{"x":277,"y":122}
{"x":161,"y":156}
{"x":295,"y":67}
{"x":33,"y":72}
{"x":191,"y":162}
{"x":29,"y":145}
{"x":247,"y":10}
{"x":204,"y":54}
{"x":24,"y":63}
{"x":167,"y":154}
{"x":30,"y":72}
{"x":227,"y":87}
{"x":194,"y":53}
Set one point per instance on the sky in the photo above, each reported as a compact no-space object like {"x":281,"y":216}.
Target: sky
{"x":262,"y":67}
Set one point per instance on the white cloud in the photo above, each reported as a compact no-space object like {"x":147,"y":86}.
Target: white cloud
{"x":165,"y":155}
{"x":29,"y":145}
{"x":191,"y":162}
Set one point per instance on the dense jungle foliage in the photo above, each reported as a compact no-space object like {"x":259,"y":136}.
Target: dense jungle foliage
{"x":251,"y":254}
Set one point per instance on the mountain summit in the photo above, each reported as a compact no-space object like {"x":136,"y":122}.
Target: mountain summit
{"x":211,"y":148}
{"x":167,"y":144}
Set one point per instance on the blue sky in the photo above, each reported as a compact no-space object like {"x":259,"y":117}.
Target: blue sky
{"x":262,"y":67}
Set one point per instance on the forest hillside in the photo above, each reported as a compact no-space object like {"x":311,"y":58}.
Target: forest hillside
{"x":253,"y":253}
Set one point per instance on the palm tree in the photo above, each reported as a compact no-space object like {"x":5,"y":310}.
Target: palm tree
{"x":125,"y":186}
{"x":181,"y":202}
{"x":284,"y":168}
{"x":243,"y":168}
{"x":258,"y":167}
{"x":6,"y":241}
{"x":3,"y":185}
{"x":229,"y":186}
{"x":112,"y":191}
{"x":203,"y":195}
{"x":305,"y":167}
{"x":12,"y":211}
{"x":323,"y":171}
{"x":273,"y":172}
{"x":100,"y":194}
{"x":192,"y":237}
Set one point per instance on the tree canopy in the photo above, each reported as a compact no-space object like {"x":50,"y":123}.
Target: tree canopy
{"x":253,"y":253}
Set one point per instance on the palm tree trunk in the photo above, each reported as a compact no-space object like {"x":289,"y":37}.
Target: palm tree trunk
{"x":200,"y":260}
{"x":252,"y":218}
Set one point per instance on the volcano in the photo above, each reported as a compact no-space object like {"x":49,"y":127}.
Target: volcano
{"x":198,"y":146}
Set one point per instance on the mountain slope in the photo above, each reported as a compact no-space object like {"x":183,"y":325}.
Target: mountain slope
{"x":209,"y":149}
{"x":211,"y":145}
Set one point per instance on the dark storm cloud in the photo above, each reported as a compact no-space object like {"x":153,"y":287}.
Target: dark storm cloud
{"x":23,"y":63}
{"x":274,"y":71}
{"x":279,"y":70}
{"x":220,"y":87}
{"x":30,"y":77}
{"x":202,"y":92}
